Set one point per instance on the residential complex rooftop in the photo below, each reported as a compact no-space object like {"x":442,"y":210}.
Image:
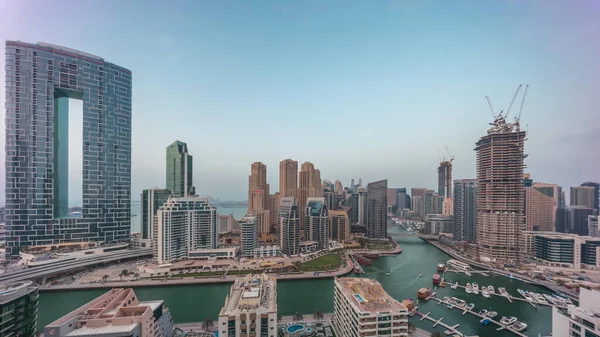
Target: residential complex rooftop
{"x":368,"y":295}
{"x":12,"y":291}
{"x":251,"y":293}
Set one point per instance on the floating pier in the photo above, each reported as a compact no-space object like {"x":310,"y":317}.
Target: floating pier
{"x":465,"y":311}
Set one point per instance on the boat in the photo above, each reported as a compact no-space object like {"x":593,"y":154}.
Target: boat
{"x":441,"y":267}
{"x":518,"y":326}
{"x":424,"y":293}
{"x":388,"y":273}
{"x":454,"y":286}
{"x":470,"y":306}
{"x":458,"y":265}
{"x":491,"y":314}
{"x":475,"y":288}
{"x":468,"y":274}
{"x":458,"y":302}
{"x":469,"y":288}
{"x":483,"y":312}
{"x":436,"y":279}
{"x":450,"y":306}
{"x":446,"y":299}
{"x":485,"y":292}
{"x":420,"y":274}
{"x":358,"y":270}
{"x":503,"y":292}
{"x":525,"y":295}
{"x":409,"y":303}
{"x":491,"y":290}
{"x":508,"y":320}
{"x":539,"y":298}
{"x":363,"y":260}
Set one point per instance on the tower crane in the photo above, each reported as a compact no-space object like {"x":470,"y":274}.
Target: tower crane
{"x":491,"y":108}
{"x":518,"y":118}
{"x":449,"y":154}
{"x":513,"y":101}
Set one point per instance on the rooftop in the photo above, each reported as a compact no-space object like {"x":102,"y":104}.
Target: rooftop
{"x":11,"y":291}
{"x":252,"y":292}
{"x":368,"y":295}
{"x":558,"y":235}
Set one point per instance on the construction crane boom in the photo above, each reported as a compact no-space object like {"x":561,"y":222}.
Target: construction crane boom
{"x":513,"y":101}
{"x":518,"y":118}
{"x":491,"y":108}
{"x":449,"y":154}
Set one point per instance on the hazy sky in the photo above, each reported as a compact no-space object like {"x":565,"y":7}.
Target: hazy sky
{"x":365,"y":89}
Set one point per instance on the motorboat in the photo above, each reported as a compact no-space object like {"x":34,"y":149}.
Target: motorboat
{"x":469,"y":288}
{"x":420,"y":274}
{"x":436,"y":279}
{"x":485,"y":292}
{"x":518,"y":326}
{"x":454,"y":286}
{"x":491,"y":290}
{"x":508,"y":320}
{"x":470,"y":306}
{"x":468,"y":273}
{"x":483,"y":312}
{"x":525,"y":295}
{"x":388,"y":274}
{"x":539,"y":298}
{"x":491,"y":314}
{"x":475,"y":288}
{"x":441,"y":267}
{"x":503,"y":292}
{"x":445,"y":299}
{"x":450,"y":306}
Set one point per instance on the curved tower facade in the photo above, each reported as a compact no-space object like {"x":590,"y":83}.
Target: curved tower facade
{"x":40,"y":78}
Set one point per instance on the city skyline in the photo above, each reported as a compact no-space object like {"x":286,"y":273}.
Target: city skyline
{"x":345,"y":87}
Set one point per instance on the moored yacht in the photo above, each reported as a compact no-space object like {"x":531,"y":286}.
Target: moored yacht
{"x":508,"y":320}
{"x":518,"y":326}
{"x":491,"y":290}
{"x":484,"y":292}
{"x":475,"y":288}
{"x":525,"y":295}
{"x":503,"y":292}
{"x":469,"y":288}
{"x":491,"y":314}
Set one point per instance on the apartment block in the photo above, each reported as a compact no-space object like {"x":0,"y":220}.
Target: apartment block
{"x":563,"y":250}
{"x":377,"y":209}
{"x":289,"y":226}
{"x":18,"y":308}
{"x":578,"y":321}
{"x":227,"y":223}
{"x":249,"y":235}
{"x":362,"y":308}
{"x":541,"y":204}
{"x":317,"y":222}
{"x":288,"y":178}
{"x":151,"y":200}
{"x":339,"y":226}
{"x":250,"y":308}
{"x":584,"y":196}
{"x":465,"y":210}
{"x":116,"y":313}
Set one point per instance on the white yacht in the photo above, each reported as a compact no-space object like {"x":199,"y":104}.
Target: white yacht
{"x":475,"y":288}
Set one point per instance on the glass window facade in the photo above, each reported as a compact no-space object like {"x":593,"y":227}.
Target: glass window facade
{"x":38,"y":79}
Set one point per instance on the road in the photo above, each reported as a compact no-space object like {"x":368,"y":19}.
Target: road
{"x":66,"y":266}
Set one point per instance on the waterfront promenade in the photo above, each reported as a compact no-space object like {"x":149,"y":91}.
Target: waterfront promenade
{"x":550,"y":285}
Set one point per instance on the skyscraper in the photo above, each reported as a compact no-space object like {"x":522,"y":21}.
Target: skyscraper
{"x":331,"y":199}
{"x":317,"y":221}
{"x":584,"y":196}
{"x":259,"y":202}
{"x":500,"y":193}
{"x":401,"y":199}
{"x":431,"y":203}
{"x":339,"y":225}
{"x":541,"y":204}
{"x":249,"y":235}
{"x":445,"y":178}
{"x":573,"y":219}
{"x":309,"y":185}
{"x":465,"y":210}
{"x":289,"y":226}
{"x":391,"y":197}
{"x":288,"y":178}
{"x":363,"y":206}
{"x":353,"y":202}
{"x":596,"y":187}
{"x":338,"y":188}
{"x":151,"y":200}
{"x":40,"y":79}
{"x":180,"y":170}
{"x":377,"y":209}
{"x":184,"y":224}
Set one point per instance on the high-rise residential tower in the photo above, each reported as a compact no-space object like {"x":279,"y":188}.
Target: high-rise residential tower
{"x":19,"y":308}
{"x":596,"y":187}
{"x":317,"y":221}
{"x":445,"y":178}
{"x":259,"y":202}
{"x":151,"y":200}
{"x":289,"y":226}
{"x":180,"y":166}
{"x":338,"y":188}
{"x":401,"y":199}
{"x":541,"y":204}
{"x":431,"y":203}
{"x":309,"y":185}
{"x":465,"y":210}
{"x":182,"y":225}
{"x":339,"y":225}
{"x":584,"y":196}
{"x":500,"y":193}
{"x":377,"y":209}
{"x":288,"y":178}
{"x":40,"y":80}
{"x":391,"y":197}
{"x":363,"y":206}
{"x":249,"y":235}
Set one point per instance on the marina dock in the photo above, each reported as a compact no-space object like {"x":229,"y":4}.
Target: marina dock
{"x":449,"y":329}
{"x":465,"y":311}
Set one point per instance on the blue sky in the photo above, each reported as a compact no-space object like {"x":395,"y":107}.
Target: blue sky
{"x":365,"y":89}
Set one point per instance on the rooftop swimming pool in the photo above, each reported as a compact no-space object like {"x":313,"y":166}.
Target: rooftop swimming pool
{"x":359,"y":298}
{"x":294,"y":328}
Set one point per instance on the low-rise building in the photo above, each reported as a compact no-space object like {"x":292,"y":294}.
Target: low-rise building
{"x":250,"y":308}
{"x":214,"y":254}
{"x":116,"y":313}
{"x":578,"y":321}
{"x":437,"y":223}
{"x":18,"y":309}
{"x":593,"y":229}
{"x":227,"y":223}
{"x":363,"y":308}
{"x":563,"y":250}
{"x":307,"y":247}
{"x":266,"y":251}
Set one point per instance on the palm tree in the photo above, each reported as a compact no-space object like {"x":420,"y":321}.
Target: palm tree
{"x":123,"y":273}
{"x":318,"y":315}
{"x":298,"y":317}
{"x":104,"y":278}
{"x":136,"y":276}
{"x":436,"y":334}
{"x":278,"y":318}
{"x":207,"y":323}
{"x":166,"y":274}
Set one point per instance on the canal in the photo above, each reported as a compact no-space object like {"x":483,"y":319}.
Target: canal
{"x":189,"y":303}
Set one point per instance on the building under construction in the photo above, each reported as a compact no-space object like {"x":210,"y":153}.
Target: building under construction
{"x":445,"y":176}
{"x":500,"y":193}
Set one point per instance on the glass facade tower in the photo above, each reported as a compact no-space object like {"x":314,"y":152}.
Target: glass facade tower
{"x":40,"y":78}
{"x":179,"y":170}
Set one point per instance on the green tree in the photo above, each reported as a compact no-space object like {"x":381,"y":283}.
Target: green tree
{"x":207,"y":323}
{"x":136,"y":276}
{"x":298,"y":317}
{"x":278,"y":318}
{"x":124,"y":272}
{"x":104,"y":278}
{"x":411,"y":328}
{"x":318,"y":315}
